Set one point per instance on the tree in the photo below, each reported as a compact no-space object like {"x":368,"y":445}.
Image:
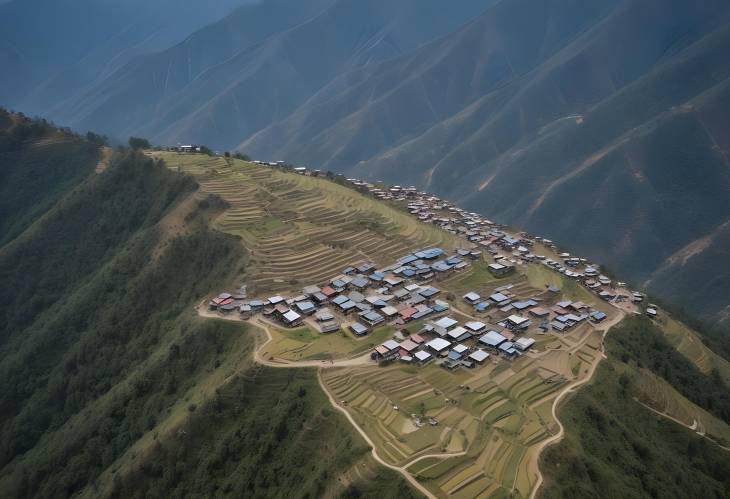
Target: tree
{"x":139,"y":143}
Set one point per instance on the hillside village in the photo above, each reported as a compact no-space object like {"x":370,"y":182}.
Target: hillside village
{"x":406,"y":293}
{"x":447,"y":339}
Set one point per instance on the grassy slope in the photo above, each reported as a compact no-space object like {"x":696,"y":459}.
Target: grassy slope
{"x":614,"y":447}
{"x":106,"y":365}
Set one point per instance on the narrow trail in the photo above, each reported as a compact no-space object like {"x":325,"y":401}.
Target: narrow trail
{"x":325,"y":364}
{"x":554,"y":410}
{"x":365,"y":360}
{"x":692,"y":427}
{"x":399,"y":469}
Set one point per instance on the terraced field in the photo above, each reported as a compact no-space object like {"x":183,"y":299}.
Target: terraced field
{"x":302,"y":230}
{"x":463,"y":434}
{"x":488,"y":419}
{"x":688,"y":343}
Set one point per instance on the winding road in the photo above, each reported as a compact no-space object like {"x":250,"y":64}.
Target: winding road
{"x":364,"y":359}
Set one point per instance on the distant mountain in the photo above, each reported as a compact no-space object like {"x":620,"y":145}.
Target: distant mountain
{"x":51,"y":50}
{"x":601,"y":124}
{"x":255,"y":67}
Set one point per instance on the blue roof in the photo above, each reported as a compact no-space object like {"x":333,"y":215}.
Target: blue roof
{"x":428,"y":292}
{"x":360,"y":282}
{"x":430,"y":254}
{"x":506,"y":345}
{"x":598,"y":315}
{"x":440,"y":308}
{"x":371,"y":316}
{"x":441,"y":267}
{"x":339,"y":299}
{"x":481,"y":307}
{"x":407,"y":259}
{"x":453,"y":260}
{"x":422,"y":313}
{"x":359,"y":328}
{"x":377,"y":276}
{"x":347,"y":305}
{"x":409,"y":273}
{"x":454,"y":355}
{"x":493,"y":339}
{"x":520,"y":305}
{"x":305,"y":305}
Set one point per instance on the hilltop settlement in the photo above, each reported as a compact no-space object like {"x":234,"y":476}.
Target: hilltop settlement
{"x":431,"y":323}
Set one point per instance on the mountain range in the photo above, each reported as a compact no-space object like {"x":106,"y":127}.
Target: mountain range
{"x":600,"y":124}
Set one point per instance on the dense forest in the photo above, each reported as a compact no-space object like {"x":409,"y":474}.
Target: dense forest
{"x":615,"y":447}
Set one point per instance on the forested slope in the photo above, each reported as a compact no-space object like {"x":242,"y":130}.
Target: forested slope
{"x":616,"y":447}
{"x":112,"y":385}
{"x":38,"y":163}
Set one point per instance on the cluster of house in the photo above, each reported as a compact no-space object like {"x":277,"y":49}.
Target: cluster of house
{"x":506,"y":248}
{"x":455,"y":345}
{"x":364,"y":295}
{"x":560,"y":317}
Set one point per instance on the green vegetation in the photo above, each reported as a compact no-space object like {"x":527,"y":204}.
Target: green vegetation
{"x":38,"y":164}
{"x":113,"y":387}
{"x":639,"y":342}
{"x":227,"y":448}
{"x":95,"y":327}
{"x":616,"y":447}
{"x":138,"y":143}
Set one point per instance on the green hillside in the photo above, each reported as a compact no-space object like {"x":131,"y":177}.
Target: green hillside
{"x":38,"y":163}
{"x":110,"y":379}
{"x":615,"y":447}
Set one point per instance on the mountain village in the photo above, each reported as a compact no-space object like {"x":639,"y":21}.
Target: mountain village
{"x":406,"y":294}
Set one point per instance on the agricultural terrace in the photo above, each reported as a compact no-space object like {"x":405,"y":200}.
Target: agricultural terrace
{"x":466,"y":432}
{"x":299,"y":229}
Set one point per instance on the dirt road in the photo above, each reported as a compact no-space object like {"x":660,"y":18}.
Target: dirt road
{"x":568,"y":389}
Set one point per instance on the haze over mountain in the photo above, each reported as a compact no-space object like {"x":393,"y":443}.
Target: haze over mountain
{"x":52,"y":50}
{"x":600,"y":124}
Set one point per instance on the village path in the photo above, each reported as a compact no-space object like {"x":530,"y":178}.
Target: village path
{"x":360,"y":360}
{"x":357,"y":361}
{"x":400,"y":469}
{"x":535,"y":464}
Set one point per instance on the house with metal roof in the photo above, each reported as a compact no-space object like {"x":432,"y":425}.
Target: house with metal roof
{"x":478,"y":356}
{"x":598,"y":316}
{"x":458,"y":333}
{"x":291,"y":318}
{"x":524,"y":343}
{"x":508,"y":350}
{"x":472,"y":297}
{"x":360,"y":282}
{"x":359,"y":329}
{"x":492,"y":339}
{"x":422,"y":356}
{"x":500,"y":298}
{"x":446,"y":323}
{"x":475,"y":326}
{"x":371,"y":317}
{"x":438,"y":345}
{"x":517,"y":322}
